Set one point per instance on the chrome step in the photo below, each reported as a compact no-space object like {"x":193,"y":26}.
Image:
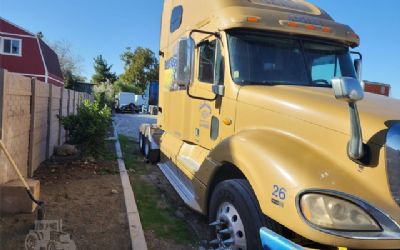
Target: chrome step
{"x":186,"y":193}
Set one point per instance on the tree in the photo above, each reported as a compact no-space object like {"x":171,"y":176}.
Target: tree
{"x":71,"y":80}
{"x":40,"y":35}
{"x":103,"y":72}
{"x":141,"y":66}
{"x":70,"y":63}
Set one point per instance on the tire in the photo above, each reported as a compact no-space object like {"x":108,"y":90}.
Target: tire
{"x":51,"y":246}
{"x":32,"y":241}
{"x":141,"y":142}
{"x":152,"y":155}
{"x":234,"y":204}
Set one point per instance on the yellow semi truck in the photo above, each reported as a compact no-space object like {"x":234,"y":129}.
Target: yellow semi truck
{"x":263,"y":125}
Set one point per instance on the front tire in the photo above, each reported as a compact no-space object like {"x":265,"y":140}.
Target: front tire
{"x":237,"y":217}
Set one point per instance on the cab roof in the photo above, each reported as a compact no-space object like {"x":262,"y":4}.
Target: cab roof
{"x":288,"y":16}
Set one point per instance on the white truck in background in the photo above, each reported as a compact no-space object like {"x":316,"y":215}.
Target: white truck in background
{"x":128,"y":102}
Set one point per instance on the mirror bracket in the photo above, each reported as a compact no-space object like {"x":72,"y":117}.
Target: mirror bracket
{"x":219,"y":90}
{"x":349,"y":90}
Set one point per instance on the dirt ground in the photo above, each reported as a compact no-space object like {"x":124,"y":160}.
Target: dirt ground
{"x":89,"y":200}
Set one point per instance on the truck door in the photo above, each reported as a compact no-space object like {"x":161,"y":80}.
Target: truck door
{"x":208,"y":109}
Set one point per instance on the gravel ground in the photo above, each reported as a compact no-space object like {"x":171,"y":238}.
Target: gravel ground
{"x":128,"y":124}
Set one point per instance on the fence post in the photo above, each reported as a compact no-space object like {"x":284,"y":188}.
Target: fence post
{"x":32,"y":128}
{"x":2,"y":93}
{"x":49,"y":110}
{"x":60,"y":113}
{"x":69,"y":99}
{"x":74,"y":103}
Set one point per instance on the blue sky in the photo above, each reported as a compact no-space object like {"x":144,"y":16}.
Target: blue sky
{"x":108,"y":27}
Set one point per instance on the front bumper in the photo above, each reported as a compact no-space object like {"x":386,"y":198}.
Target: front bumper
{"x":273,"y":241}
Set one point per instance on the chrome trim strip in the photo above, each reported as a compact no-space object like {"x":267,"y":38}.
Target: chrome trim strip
{"x":181,"y":185}
{"x":390,"y":229}
{"x":393,"y":161}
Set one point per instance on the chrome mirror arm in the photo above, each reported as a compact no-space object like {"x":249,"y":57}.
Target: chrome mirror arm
{"x":355,"y":148}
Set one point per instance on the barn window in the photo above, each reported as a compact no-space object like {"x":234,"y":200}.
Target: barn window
{"x":11,"y":46}
{"x":176,"y":18}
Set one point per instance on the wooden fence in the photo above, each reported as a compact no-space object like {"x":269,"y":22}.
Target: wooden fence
{"x":29,"y":124}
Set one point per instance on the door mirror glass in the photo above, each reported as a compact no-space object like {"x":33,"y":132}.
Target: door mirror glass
{"x":185,"y":57}
{"x":219,"y":69}
{"x":347,"y":89}
{"x":358,"y":68}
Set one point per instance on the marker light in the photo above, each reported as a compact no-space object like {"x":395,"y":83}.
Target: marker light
{"x":326,"y":29}
{"x":310,"y":27}
{"x":253,"y":19}
{"x":293,"y":24}
{"x":337,"y":214}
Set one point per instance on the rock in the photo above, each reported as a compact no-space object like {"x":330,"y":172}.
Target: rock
{"x":66,"y":150}
{"x":114,"y":191}
{"x":179,"y":214}
{"x":90,"y":159}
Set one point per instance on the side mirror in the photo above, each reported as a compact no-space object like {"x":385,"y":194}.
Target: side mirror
{"x":185,"y":61}
{"x":347,"y":89}
{"x":358,"y":68}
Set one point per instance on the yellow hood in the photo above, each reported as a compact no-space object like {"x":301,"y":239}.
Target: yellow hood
{"x":318,"y":106}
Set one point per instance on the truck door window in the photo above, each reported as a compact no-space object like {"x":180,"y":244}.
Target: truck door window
{"x":207,"y":61}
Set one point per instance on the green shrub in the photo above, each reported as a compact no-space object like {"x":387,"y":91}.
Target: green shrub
{"x":104,"y":94}
{"x":88,"y":128}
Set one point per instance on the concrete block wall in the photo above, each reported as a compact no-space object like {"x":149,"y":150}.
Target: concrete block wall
{"x":54,"y":125}
{"x":29,"y":124}
{"x":39,"y":125}
{"x":76,"y":102}
{"x":15,"y":98}
{"x":63,"y":112}
{"x":71,"y":101}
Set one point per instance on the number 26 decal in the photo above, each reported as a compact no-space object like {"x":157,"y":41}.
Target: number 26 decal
{"x":279,"y":192}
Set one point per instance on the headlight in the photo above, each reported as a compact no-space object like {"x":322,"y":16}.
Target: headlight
{"x":337,"y":214}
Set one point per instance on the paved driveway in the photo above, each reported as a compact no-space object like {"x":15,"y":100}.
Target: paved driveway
{"x":128,"y":124}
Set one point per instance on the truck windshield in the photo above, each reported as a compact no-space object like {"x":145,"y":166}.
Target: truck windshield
{"x":263,"y":59}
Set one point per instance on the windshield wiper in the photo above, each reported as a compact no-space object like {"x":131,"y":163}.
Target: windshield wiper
{"x":270,"y":83}
{"x":246,"y":82}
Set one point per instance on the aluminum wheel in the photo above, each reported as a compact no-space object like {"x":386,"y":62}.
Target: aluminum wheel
{"x":230,"y":228}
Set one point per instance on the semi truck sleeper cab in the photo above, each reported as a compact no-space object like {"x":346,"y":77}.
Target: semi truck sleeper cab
{"x":263,"y":124}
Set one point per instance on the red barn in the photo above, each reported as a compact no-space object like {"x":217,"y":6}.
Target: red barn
{"x":24,"y":53}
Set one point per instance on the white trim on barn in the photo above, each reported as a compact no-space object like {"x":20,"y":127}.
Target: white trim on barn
{"x":19,"y":27}
{"x":19,"y":35}
{"x":44,"y":76}
{"x":46,"y":72}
